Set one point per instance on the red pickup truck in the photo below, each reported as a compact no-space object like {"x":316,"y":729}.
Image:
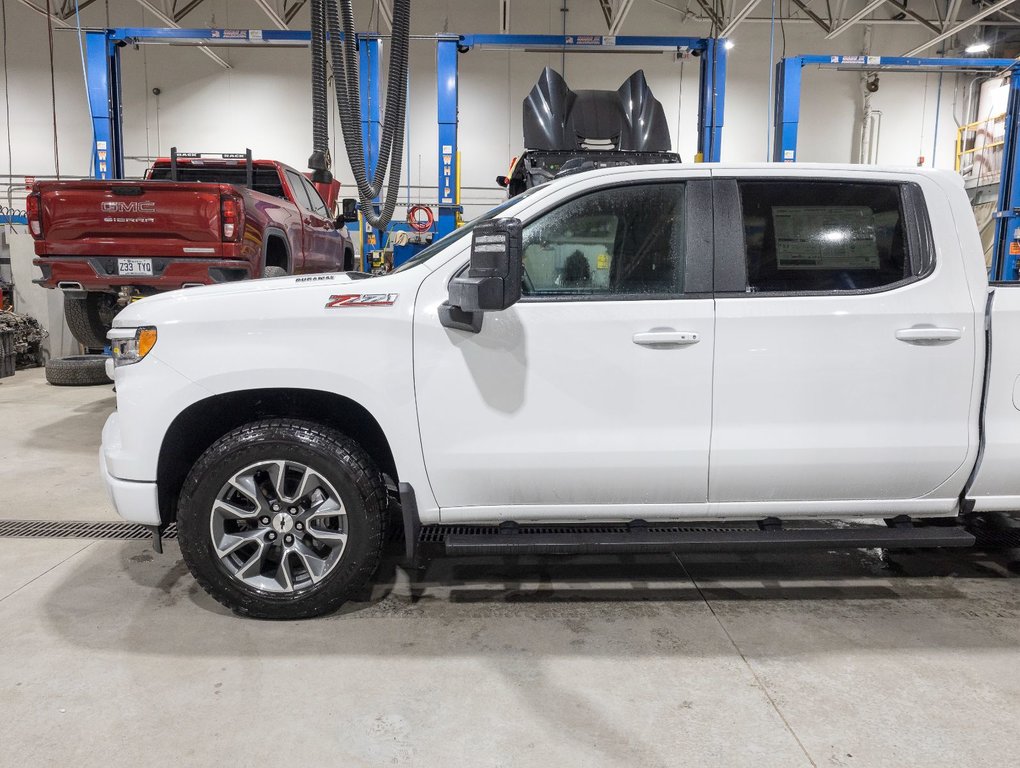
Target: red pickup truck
{"x":193,"y":220}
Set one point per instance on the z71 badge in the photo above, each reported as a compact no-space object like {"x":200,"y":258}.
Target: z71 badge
{"x":361,"y":300}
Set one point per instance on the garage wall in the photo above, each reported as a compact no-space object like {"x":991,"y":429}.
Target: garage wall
{"x":263,"y":101}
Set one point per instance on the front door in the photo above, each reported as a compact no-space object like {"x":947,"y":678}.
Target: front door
{"x":594,"y":391}
{"x":321,"y":253}
{"x":845,"y":349}
{"x":326,"y":248}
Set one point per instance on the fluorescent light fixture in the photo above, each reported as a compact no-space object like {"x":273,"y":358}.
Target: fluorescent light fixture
{"x":729,"y":44}
{"x":978,"y":48}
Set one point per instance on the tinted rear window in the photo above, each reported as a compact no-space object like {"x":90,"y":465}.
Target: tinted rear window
{"x":266,"y":180}
{"x":820,"y":236}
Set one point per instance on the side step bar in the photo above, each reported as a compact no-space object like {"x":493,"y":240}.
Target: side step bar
{"x":640,"y":537}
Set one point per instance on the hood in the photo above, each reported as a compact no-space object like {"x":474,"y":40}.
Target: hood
{"x":188,"y":302}
{"x":629,"y":118}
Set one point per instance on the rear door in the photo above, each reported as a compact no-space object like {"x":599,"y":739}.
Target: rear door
{"x":845,"y":345}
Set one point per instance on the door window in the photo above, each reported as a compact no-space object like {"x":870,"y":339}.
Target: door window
{"x":824,"y":236}
{"x":300,"y":195}
{"x":622,"y":241}
{"x":315,"y":198}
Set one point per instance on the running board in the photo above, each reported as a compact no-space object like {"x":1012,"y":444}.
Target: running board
{"x":640,"y":537}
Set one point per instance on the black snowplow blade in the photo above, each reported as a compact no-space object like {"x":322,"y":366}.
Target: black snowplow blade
{"x":629,"y":118}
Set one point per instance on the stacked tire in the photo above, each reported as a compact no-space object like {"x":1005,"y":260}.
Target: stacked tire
{"x":77,"y":371}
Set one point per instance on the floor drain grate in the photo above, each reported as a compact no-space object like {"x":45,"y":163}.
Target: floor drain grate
{"x":64,"y":529}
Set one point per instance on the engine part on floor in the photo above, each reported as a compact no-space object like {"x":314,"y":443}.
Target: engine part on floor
{"x":343,"y":44}
{"x":28,"y":338}
{"x":7,"y":354}
{"x":77,"y":371}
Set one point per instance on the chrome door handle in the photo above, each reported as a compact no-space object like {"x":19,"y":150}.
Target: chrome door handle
{"x":918,"y":335}
{"x":666,"y":338}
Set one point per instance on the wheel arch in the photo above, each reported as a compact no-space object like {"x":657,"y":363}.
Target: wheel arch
{"x":276,"y":249}
{"x":204,"y":422}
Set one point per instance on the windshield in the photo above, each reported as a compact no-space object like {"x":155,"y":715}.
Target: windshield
{"x":457,"y":234}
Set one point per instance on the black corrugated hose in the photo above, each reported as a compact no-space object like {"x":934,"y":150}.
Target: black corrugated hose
{"x":319,"y":162}
{"x":343,"y":48}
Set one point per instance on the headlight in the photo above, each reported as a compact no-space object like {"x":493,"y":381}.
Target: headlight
{"x":129,"y":345}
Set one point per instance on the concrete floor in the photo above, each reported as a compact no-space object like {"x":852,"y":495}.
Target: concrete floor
{"x":111,"y":655}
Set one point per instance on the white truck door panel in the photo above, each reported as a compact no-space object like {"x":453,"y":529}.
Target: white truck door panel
{"x":554,"y":403}
{"x":564,"y":399}
{"x":844,"y":395}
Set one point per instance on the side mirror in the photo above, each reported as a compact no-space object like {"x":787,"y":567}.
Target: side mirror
{"x":503,"y":181}
{"x":493,"y":279}
{"x":348,"y":210}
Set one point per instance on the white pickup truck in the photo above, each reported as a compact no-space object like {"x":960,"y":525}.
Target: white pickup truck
{"x":639,"y":359}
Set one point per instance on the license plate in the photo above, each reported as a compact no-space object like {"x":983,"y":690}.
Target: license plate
{"x":134,"y":267}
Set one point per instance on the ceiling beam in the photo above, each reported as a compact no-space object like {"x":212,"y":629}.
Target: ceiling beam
{"x":814,"y":16}
{"x":171,"y":23}
{"x":1005,"y":14}
{"x":988,"y":11}
{"x":270,"y":11}
{"x":840,"y":12}
{"x":869,"y":8}
{"x":914,"y":15}
{"x":68,"y":8}
{"x":621,"y":15}
{"x":385,"y":13}
{"x":951,"y":14}
{"x":710,"y":12}
{"x":180,"y":14}
{"x":738,"y":17}
{"x":42,"y":12}
{"x":290,"y":11}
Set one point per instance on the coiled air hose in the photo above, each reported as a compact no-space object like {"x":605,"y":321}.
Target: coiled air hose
{"x":343,"y":49}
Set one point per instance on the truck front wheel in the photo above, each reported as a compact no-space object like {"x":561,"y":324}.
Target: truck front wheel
{"x":91,"y":317}
{"x":282,"y":519}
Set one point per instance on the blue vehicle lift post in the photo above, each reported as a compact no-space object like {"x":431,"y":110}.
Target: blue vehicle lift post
{"x":105,"y":105}
{"x":1006,"y":249}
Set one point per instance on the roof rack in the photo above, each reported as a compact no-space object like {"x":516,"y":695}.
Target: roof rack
{"x":246,"y":156}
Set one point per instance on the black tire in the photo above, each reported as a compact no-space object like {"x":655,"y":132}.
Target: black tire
{"x":91,"y":317}
{"x":274,"y":272}
{"x":77,"y":371}
{"x":334,"y":456}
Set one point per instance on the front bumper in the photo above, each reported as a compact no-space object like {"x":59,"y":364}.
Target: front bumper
{"x":136,"y":502}
{"x":99,"y":273}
